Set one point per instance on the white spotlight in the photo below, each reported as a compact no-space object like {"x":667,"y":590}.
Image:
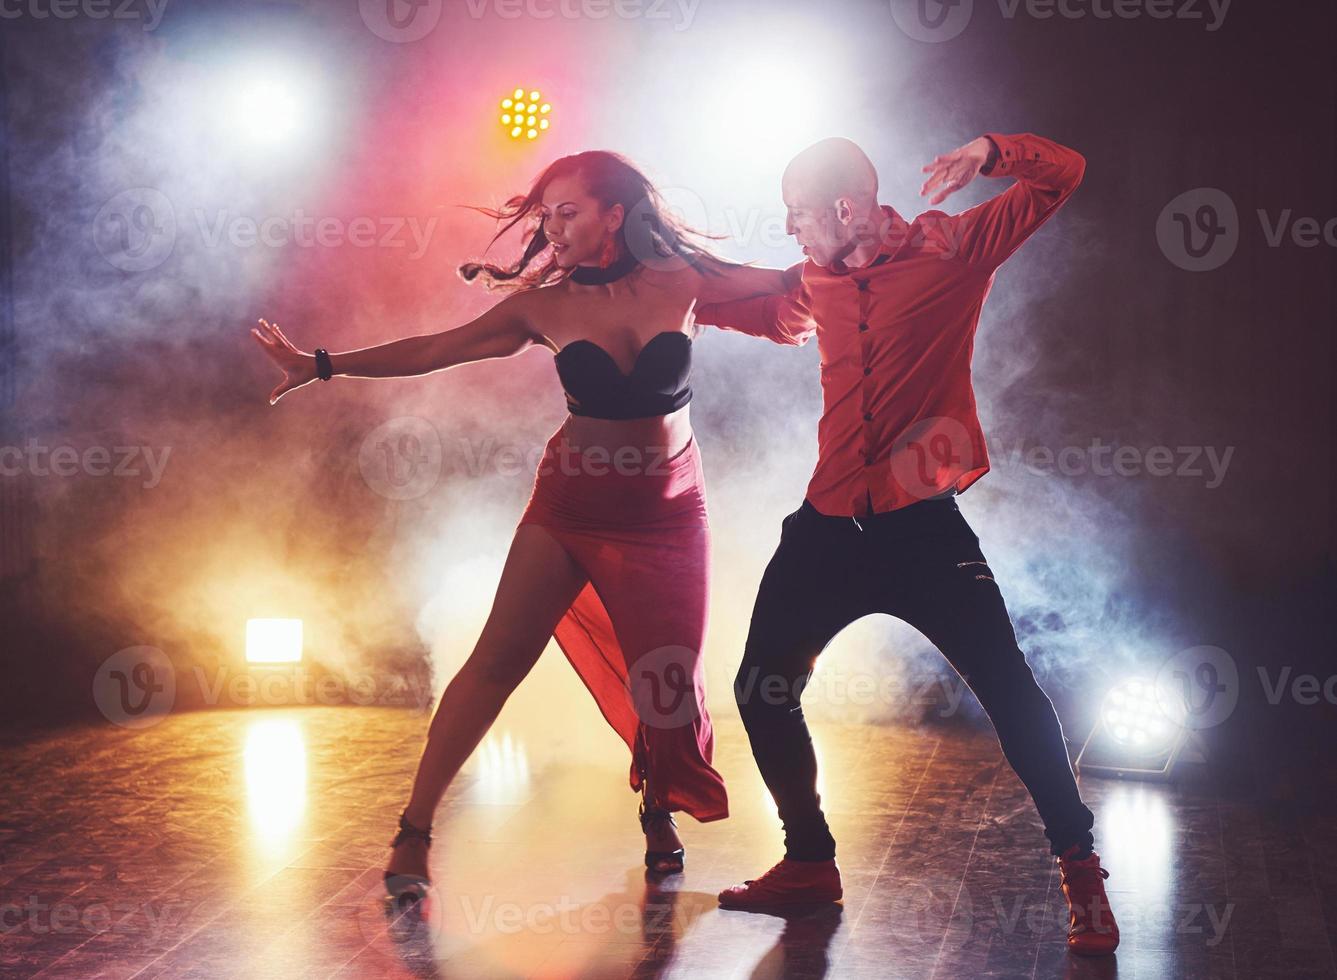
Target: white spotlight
{"x":264,"y":107}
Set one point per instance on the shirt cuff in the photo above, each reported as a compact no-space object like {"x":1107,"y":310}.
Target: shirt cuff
{"x":991,"y":160}
{"x":1009,"y":155}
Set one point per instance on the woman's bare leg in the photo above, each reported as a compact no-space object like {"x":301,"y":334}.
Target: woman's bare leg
{"x":538,"y":584}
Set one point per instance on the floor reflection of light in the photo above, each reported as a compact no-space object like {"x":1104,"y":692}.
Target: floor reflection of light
{"x":1135,"y":832}
{"x":275,"y":777}
{"x":502,"y":768}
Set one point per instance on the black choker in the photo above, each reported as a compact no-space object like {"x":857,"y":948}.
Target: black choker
{"x":593,"y":275}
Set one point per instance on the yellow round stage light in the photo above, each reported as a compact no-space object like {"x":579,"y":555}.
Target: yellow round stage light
{"x":522,"y":114}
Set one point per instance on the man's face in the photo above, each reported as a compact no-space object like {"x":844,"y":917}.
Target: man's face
{"x":814,"y":224}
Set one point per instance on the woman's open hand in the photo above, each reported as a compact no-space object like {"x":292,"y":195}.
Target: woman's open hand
{"x":298,"y":366}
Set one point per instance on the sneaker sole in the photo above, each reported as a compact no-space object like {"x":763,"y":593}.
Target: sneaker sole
{"x":779,"y":903}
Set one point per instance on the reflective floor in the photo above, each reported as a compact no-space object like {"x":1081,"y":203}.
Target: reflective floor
{"x":249,"y":843}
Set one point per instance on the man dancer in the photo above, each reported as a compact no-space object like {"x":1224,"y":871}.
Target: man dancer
{"x":894,"y":306}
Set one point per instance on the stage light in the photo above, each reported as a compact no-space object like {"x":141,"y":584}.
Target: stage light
{"x":1140,"y":732}
{"x":273,"y":641}
{"x":1141,"y":717}
{"x":524,"y":115}
{"x":265,"y":107}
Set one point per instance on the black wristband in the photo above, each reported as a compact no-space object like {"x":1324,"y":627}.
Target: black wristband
{"x":324,"y":369}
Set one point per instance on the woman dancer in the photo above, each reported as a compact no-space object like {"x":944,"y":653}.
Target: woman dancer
{"x":611,"y":555}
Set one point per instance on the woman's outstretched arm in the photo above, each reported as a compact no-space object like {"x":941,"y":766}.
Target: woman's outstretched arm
{"x":779,"y":313}
{"x":502,"y":331}
{"x":721,"y":281}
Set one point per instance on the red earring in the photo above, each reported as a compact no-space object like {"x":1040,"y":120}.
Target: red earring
{"x":608,"y":251}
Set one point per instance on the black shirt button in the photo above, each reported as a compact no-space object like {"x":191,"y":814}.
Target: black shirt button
{"x":863,"y":327}
{"x":863,"y":284}
{"x":868,"y":459}
{"x":867,"y":371}
{"x":868,"y":416}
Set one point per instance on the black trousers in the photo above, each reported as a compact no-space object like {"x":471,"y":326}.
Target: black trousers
{"x":921,"y":563}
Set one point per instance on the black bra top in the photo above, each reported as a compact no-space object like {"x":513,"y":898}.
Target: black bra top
{"x":596,"y":387}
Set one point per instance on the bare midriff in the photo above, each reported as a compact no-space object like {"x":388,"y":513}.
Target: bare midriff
{"x":653,"y":436}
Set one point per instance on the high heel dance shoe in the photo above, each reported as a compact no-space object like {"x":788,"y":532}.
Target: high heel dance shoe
{"x":672,"y":860}
{"x":404,"y":890}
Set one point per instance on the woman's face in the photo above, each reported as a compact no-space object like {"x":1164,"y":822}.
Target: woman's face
{"x":574,"y":223}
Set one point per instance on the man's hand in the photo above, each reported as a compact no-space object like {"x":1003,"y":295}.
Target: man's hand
{"x":953,"y":171}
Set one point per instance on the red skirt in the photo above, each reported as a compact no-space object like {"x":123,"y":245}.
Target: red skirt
{"x":637,"y":525}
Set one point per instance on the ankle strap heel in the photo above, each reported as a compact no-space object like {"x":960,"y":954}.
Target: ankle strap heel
{"x":409,"y":832}
{"x":653,"y":815}
{"x":404,"y":891}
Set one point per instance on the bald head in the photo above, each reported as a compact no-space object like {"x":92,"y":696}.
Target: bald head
{"x":830,"y":169}
{"x":830,"y":192}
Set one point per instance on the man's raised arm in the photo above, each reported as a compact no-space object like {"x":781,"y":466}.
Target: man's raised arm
{"x":1046,"y":175}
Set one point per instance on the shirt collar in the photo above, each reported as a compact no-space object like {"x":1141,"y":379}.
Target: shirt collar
{"x":894,"y":237}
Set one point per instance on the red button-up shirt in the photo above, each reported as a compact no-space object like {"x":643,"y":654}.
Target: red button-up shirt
{"x":898,"y":419}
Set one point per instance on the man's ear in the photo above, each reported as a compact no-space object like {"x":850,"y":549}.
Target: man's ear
{"x":844,"y":210}
{"x":614,"y":216}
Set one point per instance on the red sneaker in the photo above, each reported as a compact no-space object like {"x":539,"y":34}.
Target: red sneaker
{"x":1092,"y":930}
{"x":788,"y":883}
